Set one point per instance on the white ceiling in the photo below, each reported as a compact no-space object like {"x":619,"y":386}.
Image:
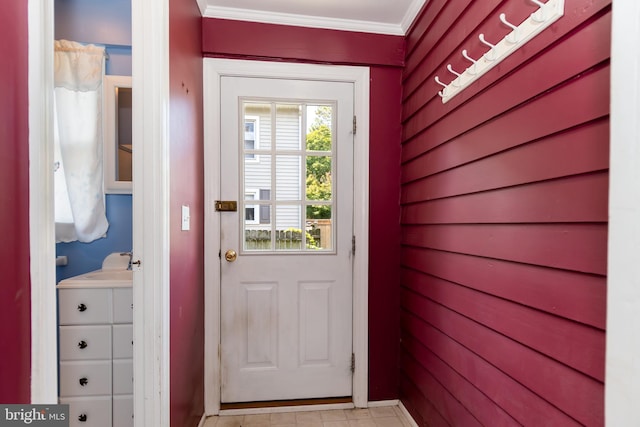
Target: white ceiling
{"x":372,"y":16}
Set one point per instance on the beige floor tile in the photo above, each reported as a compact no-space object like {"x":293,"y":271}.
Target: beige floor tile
{"x":388,"y":422}
{"x":282,"y":418}
{"x":358,"y":414}
{"x":308,"y":417}
{"x":384,"y":416}
{"x":362,"y":422}
{"x":230,"y":421}
{"x":341,"y":423}
{"x":333,"y":415}
{"x":309,"y":424}
{"x":255,"y":419}
{"x":382,"y":411}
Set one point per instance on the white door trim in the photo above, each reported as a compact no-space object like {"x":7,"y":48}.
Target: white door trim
{"x":151,"y":208}
{"x":44,"y":365}
{"x":622,"y":380}
{"x":214,"y":69}
{"x":151,"y":236}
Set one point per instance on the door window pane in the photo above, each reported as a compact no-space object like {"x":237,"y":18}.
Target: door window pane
{"x":319,"y":226}
{"x":288,"y":178}
{"x":319,"y":128}
{"x":288,"y":232}
{"x":256,"y":119}
{"x":288,"y":127}
{"x":319,"y":181}
{"x":257,"y":174}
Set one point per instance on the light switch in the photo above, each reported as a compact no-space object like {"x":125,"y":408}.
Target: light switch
{"x":186,"y":218}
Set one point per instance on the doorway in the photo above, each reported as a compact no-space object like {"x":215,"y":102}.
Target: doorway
{"x":357,"y":78}
{"x":151,"y":215}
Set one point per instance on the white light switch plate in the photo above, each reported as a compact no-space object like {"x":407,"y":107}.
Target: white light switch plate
{"x":186,"y":218}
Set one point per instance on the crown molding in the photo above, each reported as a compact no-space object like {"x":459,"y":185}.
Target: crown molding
{"x":306,"y":20}
{"x":412,"y":12}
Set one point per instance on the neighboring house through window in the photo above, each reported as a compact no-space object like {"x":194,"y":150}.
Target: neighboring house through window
{"x":251,"y":136}
{"x":251,"y":214}
{"x":257,"y":214}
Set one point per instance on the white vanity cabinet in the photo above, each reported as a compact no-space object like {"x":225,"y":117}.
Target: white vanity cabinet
{"x":96,"y":353}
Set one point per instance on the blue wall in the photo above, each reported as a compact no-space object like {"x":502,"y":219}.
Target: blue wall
{"x":84,"y":257}
{"x":106,"y":23}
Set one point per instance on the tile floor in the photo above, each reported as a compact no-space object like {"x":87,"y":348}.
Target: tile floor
{"x":386,"y":416}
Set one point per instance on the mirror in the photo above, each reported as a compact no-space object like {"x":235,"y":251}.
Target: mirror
{"x":118,"y":147}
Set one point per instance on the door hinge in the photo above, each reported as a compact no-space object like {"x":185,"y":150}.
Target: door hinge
{"x":353,"y":362}
{"x":353,"y":245}
{"x":355,"y":124}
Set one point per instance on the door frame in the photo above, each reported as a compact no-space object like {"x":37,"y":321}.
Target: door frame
{"x":214,"y":70}
{"x":150,"y":23}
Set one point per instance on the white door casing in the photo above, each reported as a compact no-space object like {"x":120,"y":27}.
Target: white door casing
{"x":214,"y":70}
{"x":286,"y":311}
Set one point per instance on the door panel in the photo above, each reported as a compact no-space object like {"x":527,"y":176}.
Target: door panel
{"x":286,"y":299}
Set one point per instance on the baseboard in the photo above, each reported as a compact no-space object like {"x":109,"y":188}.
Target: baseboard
{"x":382,"y":403}
{"x":407,"y":415}
{"x":202,"y":420}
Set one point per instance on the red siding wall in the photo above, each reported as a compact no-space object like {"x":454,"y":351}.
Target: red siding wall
{"x":187,"y":247}
{"x":504,"y":220}
{"x":15,"y":289}
{"x":235,"y":39}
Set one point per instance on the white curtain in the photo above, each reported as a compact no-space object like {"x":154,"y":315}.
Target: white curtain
{"x":79,"y":193}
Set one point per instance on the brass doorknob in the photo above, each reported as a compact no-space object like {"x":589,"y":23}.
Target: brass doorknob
{"x":230,"y":255}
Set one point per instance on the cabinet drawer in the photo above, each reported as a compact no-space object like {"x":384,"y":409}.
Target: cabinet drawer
{"x":84,"y":306}
{"x":85,"y":342}
{"x":93,"y":411}
{"x":85,"y":378}
{"x":123,"y":376}
{"x":122,"y":341}
{"x":123,"y":411}
{"x":122,"y":305}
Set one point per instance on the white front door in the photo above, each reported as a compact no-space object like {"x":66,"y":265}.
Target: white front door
{"x":286,"y":252}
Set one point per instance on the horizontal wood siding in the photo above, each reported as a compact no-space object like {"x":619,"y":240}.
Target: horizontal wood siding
{"x":504,"y":194}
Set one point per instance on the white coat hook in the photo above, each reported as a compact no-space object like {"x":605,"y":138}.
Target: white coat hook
{"x":452,"y":71}
{"x":513,"y":37}
{"x":491,"y":57}
{"x":466,"y":56}
{"x":441,"y":93}
{"x":538,"y":16}
{"x":437,"y":79}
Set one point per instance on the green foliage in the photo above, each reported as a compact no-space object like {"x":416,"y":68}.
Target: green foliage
{"x":310,"y":241}
{"x":319,"y":183}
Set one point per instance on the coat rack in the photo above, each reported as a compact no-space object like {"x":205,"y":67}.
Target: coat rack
{"x":547,"y":14}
